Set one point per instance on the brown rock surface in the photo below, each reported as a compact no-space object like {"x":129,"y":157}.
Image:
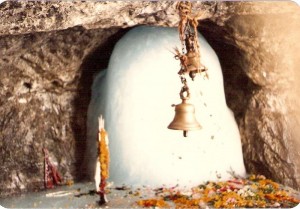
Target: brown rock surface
{"x":43,"y":102}
{"x":49,"y":52}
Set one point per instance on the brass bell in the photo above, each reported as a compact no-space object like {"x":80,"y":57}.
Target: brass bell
{"x":184,"y":117}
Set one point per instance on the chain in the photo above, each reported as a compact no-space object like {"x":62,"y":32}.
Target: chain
{"x":190,"y":55}
{"x":184,"y":9}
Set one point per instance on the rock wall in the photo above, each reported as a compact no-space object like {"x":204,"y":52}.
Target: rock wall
{"x":272,"y":116}
{"x":49,"y":52}
{"x":262,"y":42}
{"x":44,"y":102}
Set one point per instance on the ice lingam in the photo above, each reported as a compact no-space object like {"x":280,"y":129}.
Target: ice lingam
{"x":135,"y":94}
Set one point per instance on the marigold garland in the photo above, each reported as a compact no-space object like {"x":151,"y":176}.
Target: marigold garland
{"x":104,"y":154}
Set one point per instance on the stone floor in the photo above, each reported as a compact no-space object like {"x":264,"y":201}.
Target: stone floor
{"x":82,"y":195}
{"x":79,"y":195}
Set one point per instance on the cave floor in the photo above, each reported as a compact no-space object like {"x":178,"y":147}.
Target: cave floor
{"x":82,"y":195}
{"x":78,"y":195}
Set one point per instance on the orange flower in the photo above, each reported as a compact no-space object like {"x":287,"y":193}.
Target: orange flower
{"x":266,"y":182}
{"x":153,"y":203}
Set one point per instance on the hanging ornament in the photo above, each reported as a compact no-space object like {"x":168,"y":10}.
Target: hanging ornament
{"x":189,"y":65}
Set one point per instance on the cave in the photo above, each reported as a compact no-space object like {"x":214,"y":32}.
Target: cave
{"x":51,"y":52}
{"x":134,"y":95}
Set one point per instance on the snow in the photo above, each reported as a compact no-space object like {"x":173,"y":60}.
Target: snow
{"x":135,"y":95}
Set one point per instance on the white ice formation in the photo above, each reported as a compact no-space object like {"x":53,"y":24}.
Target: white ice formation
{"x":135,"y":95}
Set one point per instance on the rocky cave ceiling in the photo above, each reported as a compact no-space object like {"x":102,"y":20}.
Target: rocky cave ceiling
{"x":49,"y":52}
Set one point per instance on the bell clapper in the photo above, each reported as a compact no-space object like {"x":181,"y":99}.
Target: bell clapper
{"x":185,"y":133}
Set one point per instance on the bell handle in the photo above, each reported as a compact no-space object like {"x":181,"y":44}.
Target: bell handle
{"x":182,"y":96}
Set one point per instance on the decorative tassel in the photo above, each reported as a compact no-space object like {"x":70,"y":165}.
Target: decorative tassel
{"x":51,"y":175}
